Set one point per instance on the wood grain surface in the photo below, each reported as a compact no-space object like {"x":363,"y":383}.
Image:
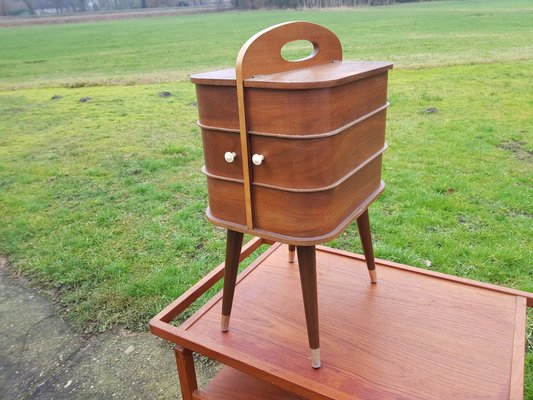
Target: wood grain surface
{"x":261,"y":54}
{"x":365,"y":234}
{"x":231,"y":269}
{"x":316,"y":163}
{"x":217,"y":106}
{"x":287,"y":162}
{"x":186,"y":372}
{"x":296,"y":111}
{"x":308,"y":279}
{"x":411,"y":336}
{"x":309,"y":112}
{"x":284,"y":238}
{"x":302,"y":214}
{"x":231,"y":384}
{"x":320,"y":76}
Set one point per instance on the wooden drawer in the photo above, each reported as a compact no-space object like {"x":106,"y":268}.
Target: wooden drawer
{"x":297,"y":214}
{"x":293,"y":111}
{"x":315,"y":214}
{"x":217,"y":106}
{"x":226,"y":200}
{"x":216,"y":144}
{"x":288,"y":160}
{"x":313,"y":111}
{"x":320,"y":162}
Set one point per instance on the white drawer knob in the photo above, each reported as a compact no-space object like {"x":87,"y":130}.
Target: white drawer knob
{"x":230,"y":156}
{"x":257,"y":159}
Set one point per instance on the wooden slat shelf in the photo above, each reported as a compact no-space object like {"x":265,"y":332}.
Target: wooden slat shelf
{"x":223,"y":387}
{"x":414,"y":335}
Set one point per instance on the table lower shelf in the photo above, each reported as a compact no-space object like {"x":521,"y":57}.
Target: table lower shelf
{"x":413,"y":335}
{"x":231,"y":384}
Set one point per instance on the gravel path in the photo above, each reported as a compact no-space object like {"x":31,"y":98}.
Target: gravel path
{"x":41,"y":357}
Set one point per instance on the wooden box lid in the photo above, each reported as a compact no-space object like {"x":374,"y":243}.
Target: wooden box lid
{"x":318,"y":76}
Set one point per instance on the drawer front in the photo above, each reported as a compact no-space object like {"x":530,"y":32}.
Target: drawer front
{"x":313,"y":111}
{"x":316,"y":163}
{"x":216,"y":145}
{"x":217,"y":106}
{"x":303,"y":215}
{"x":226,"y":200}
{"x":313,"y":214}
{"x":292,"y":112}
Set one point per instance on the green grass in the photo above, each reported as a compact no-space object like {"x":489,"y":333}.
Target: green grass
{"x":165,"y":49}
{"x":103,"y":201}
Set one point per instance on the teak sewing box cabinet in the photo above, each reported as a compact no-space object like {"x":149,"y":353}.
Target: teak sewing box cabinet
{"x":293,"y":150}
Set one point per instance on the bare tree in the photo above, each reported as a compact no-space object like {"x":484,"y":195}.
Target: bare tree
{"x":30,"y":6}
{"x":3,"y":7}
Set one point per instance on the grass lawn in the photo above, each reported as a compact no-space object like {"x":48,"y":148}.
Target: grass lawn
{"x":103,"y":201}
{"x":168,"y":49}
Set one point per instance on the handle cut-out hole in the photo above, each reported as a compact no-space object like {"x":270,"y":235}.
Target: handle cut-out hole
{"x":298,"y":50}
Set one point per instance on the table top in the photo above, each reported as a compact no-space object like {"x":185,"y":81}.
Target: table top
{"x":413,"y":335}
{"x":319,"y":76}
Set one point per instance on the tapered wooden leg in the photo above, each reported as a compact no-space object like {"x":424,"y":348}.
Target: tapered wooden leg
{"x":231,"y":268}
{"x":186,"y":372}
{"x":292,"y":250}
{"x":363,"y":225}
{"x":307,"y":266}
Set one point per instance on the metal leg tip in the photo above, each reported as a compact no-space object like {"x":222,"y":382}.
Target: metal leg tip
{"x":373,"y":275}
{"x":224,"y":323}
{"x":315,"y":358}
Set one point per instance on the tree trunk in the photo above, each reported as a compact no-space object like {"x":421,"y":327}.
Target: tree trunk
{"x":3,"y":7}
{"x":30,"y":6}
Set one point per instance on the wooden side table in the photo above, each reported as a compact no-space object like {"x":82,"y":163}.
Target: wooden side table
{"x":417,"y":335}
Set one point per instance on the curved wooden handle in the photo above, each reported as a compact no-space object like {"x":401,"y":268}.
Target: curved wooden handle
{"x":261,"y":54}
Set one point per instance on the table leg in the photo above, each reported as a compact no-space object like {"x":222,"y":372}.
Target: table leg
{"x":186,"y":372}
{"x":363,"y":225}
{"x":231,"y":268}
{"x":292,"y":250}
{"x":307,"y":266}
